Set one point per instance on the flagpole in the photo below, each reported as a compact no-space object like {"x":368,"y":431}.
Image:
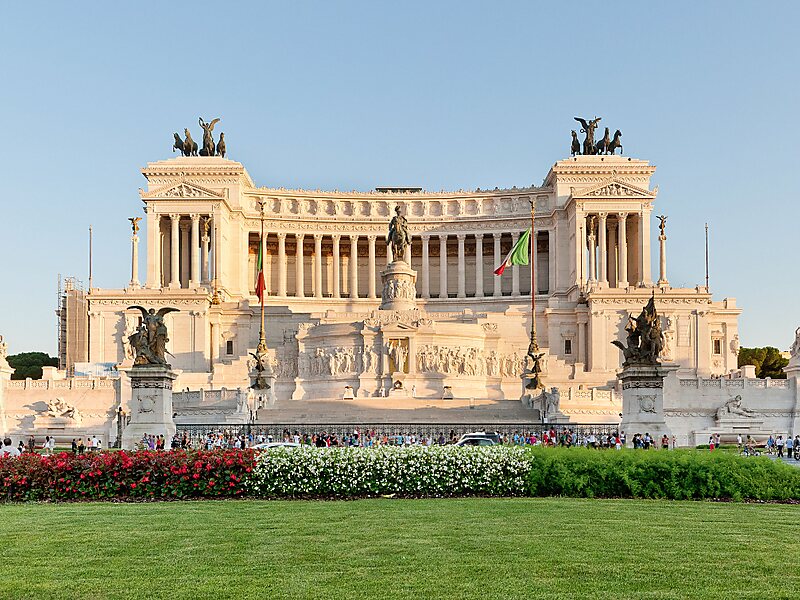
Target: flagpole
{"x":706,"y":257}
{"x":262,"y":340}
{"x":533,"y":348}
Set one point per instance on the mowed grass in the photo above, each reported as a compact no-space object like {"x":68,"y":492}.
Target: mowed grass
{"x":383,"y":548}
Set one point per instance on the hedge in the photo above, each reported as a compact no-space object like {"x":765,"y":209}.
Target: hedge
{"x":416,"y":471}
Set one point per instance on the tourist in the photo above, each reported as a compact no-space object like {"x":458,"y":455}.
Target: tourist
{"x":674,"y":442}
{"x":770,"y":445}
{"x":739,"y":441}
{"x":21,"y":447}
{"x":31,"y":444}
{"x":46,"y":446}
{"x":97,"y":444}
{"x":789,"y":446}
{"x":778,"y":444}
{"x":74,"y":446}
{"x":797,"y":447}
{"x":51,"y":445}
{"x":716,"y":440}
{"x":647,"y":441}
{"x":665,"y":442}
{"x":81,"y":446}
{"x":8,"y":449}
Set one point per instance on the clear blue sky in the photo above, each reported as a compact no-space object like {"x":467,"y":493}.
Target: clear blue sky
{"x":444,"y":95}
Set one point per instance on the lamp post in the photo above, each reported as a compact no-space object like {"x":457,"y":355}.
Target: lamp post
{"x":120,"y":416}
{"x":534,"y":354}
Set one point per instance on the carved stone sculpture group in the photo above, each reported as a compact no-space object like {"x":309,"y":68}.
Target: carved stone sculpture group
{"x":645,"y":341}
{"x":149,"y":341}
{"x":607,"y":145}
{"x":188,"y":147}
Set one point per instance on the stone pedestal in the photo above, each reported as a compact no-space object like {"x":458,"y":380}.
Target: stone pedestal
{"x":151,"y":404}
{"x":643,"y":400}
{"x":399,"y":287}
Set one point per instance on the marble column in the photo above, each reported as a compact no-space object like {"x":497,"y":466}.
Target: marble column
{"x":514,"y":268}
{"x":336,"y":266}
{"x":174,"y":264}
{"x":185,"y":255}
{"x":462,"y":267}
{"x":299,"y":273}
{"x":194,"y":278}
{"x":204,"y":252}
{"x":134,"y":283}
{"x":662,"y":263}
{"x":354,"y":266}
{"x":580,"y":257}
{"x":622,"y":242}
{"x":218,"y":252}
{"x":479,"y":265}
{"x":552,"y":265}
{"x":389,"y":254}
{"x":282,"y":265}
{"x":645,"y":277}
{"x":426,"y":284}
{"x":371,"y":287}
{"x":153,"y":255}
{"x":592,"y":258}
{"x":498,"y":290}
{"x":613,"y":253}
{"x":601,"y":235}
{"x":407,"y":256}
{"x":534,"y":263}
{"x":318,"y":265}
{"x":443,"y":266}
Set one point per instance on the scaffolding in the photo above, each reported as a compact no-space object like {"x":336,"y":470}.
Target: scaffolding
{"x":73,"y":324}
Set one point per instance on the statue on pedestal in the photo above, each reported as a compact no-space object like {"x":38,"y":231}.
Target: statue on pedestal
{"x":588,"y":128}
{"x":149,"y":341}
{"x":398,"y":235}
{"x":645,"y":340}
{"x":208,"y":139}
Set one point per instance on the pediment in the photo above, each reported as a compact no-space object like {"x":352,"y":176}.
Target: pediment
{"x":183,"y":189}
{"x":614,"y":188}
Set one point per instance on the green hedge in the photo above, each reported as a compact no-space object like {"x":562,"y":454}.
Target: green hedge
{"x":675,"y":475}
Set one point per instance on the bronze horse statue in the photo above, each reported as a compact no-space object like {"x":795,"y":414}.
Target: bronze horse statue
{"x":189,"y":145}
{"x":221,"y":145}
{"x":576,"y":145}
{"x":615,"y":143}
{"x":178,"y":145}
{"x":602,"y":145}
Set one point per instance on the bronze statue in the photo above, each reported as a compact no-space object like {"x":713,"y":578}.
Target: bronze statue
{"x":221,"y":145}
{"x":189,"y":145}
{"x":208,"y":139}
{"x":576,"y":145}
{"x":178,"y":145}
{"x":662,"y":223}
{"x":588,"y":128}
{"x":398,"y":235}
{"x":615,"y":143}
{"x":645,"y":340}
{"x":602,"y":145}
{"x":150,"y":340}
{"x":135,"y":224}
{"x":262,"y":368}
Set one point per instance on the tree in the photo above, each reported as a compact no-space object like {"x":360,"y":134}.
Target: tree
{"x":29,"y":364}
{"x":767,"y":361}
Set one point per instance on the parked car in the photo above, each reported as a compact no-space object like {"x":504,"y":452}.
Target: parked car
{"x":475,"y":439}
{"x":482,"y":435}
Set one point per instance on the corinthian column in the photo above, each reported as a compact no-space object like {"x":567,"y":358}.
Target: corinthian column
{"x":354,"y":266}
{"x":299,"y":274}
{"x":443,"y":266}
{"x":622,"y":243}
{"x":318,"y":265}
{"x":153,"y":255}
{"x":282,"y":265}
{"x":514,"y":268}
{"x":174,"y":264}
{"x":479,"y":265}
{"x":371,"y":286}
{"x":462,"y":267}
{"x":498,"y":290}
{"x":194,"y":279}
{"x":336,"y":266}
{"x":601,"y":231}
{"x":134,"y":262}
{"x":184,"y":252}
{"x":426,"y":284}
{"x":592,"y":255}
{"x":204,"y":251}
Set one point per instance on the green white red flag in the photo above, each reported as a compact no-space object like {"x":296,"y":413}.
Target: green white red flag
{"x":261,"y":285}
{"x":518,"y":254}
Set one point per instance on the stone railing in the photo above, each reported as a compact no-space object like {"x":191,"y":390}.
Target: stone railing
{"x":204,"y":397}
{"x":62,"y":384}
{"x":720,"y":383}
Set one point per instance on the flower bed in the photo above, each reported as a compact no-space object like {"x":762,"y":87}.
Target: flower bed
{"x":412,"y":471}
{"x":143,"y":475}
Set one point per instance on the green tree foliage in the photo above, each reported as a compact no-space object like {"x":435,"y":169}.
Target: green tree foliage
{"x":767,"y":361}
{"x":29,"y":364}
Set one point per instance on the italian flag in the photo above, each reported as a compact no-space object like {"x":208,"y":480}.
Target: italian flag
{"x":518,"y":254}
{"x":261,"y":286}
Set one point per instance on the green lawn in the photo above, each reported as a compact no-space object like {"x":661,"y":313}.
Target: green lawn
{"x":471,"y":548}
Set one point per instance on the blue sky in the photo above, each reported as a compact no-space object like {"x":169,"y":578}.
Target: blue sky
{"x":443,"y":95}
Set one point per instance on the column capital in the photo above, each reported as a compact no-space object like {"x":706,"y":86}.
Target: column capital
{"x":174,"y":216}
{"x":442,"y":237}
{"x":281,"y":235}
{"x":497,"y":236}
{"x":461,"y":236}
{"x":372,"y":237}
{"x":299,"y":236}
{"x":622,"y":215}
{"x":478,"y":237}
{"x":317,"y":237}
{"x":195,"y":217}
{"x":336,"y":237}
{"x":602,"y":215}
{"x":353,"y":237}
{"x":425,"y":237}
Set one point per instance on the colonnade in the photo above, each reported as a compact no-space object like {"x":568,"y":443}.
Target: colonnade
{"x":315,"y":265}
{"x":186,"y":250}
{"x":616,"y":250}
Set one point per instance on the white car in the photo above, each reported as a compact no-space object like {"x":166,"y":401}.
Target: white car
{"x":270,"y":445}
